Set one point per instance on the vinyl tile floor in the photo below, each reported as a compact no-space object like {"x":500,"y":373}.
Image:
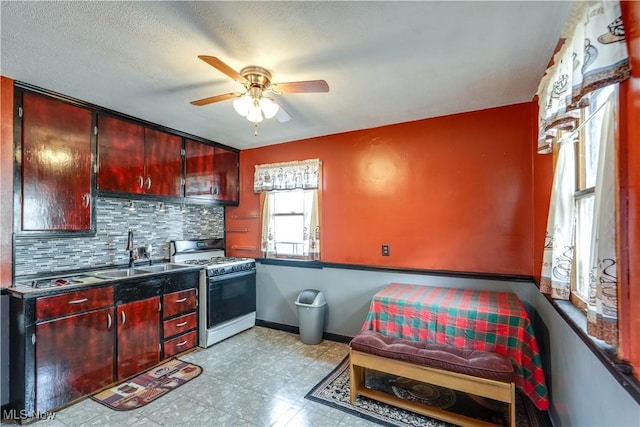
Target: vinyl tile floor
{"x":256,"y":378}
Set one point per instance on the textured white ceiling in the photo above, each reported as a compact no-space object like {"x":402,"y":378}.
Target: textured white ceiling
{"x":385,"y":62}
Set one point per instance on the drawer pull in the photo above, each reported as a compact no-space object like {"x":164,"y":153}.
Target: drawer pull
{"x":108,"y":321}
{"x":181,"y":324}
{"x":78,"y":301}
{"x":181,"y":344}
{"x":181,"y":300}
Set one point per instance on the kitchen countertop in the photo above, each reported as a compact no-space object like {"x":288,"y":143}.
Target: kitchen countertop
{"x":79,"y":280}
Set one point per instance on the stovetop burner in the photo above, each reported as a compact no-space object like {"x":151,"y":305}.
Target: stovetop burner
{"x":215,"y":260}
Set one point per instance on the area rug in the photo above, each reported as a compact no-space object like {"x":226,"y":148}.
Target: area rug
{"x":333,"y":391}
{"x":149,"y":386}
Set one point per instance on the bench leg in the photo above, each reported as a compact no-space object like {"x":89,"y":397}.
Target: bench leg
{"x":356,"y":381}
{"x":512,"y":406}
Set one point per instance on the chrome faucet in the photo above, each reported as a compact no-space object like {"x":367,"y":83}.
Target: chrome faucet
{"x":132,"y":252}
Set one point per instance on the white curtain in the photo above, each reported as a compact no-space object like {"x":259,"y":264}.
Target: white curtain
{"x":602,"y":313}
{"x":594,"y":55}
{"x":268,"y":226}
{"x":558,"y":248}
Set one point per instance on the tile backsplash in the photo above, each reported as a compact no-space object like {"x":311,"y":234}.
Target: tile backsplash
{"x":113,"y":221}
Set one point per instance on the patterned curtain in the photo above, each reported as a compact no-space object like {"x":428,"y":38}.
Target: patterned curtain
{"x":287,"y":176}
{"x":602,"y":313}
{"x":593,"y":55}
{"x":558,"y":248}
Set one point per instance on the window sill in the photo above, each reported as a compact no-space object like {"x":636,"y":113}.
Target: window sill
{"x":607,"y":354}
{"x":291,"y":262}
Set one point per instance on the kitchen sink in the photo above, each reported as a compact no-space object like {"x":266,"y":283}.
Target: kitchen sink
{"x":120,"y":272}
{"x":159,"y":268}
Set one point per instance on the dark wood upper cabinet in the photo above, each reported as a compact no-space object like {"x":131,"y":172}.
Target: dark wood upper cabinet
{"x":56,"y":165}
{"x":163,"y":163}
{"x":120,"y":155}
{"x":226,"y":177}
{"x":138,"y":160}
{"x":211,"y":173}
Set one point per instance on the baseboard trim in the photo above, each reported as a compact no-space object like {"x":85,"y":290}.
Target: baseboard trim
{"x":296,"y":330}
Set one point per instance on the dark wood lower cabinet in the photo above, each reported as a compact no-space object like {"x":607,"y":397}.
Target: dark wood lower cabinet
{"x":138,"y":336}
{"x":67,"y":345}
{"x":73,"y":357}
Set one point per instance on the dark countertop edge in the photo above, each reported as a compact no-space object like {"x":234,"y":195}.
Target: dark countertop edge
{"x":619,"y":369}
{"x":404,"y":270}
{"x":17,"y":292}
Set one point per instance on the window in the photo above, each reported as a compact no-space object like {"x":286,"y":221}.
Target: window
{"x":289,"y":195}
{"x":587,"y":137}
{"x":290,"y":224}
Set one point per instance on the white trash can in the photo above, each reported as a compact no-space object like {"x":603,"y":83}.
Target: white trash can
{"x":311,"y":308}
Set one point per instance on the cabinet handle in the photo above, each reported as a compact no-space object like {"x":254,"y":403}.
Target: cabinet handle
{"x":181,"y":344}
{"x":78,"y":301}
{"x":108,"y":320}
{"x":33,"y":339}
{"x":124,"y":317}
{"x":181,"y":324}
{"x":140,"y":181}
{"x":148,"y":185}
{"x":86,"y":200}
{"x":181,"y":300}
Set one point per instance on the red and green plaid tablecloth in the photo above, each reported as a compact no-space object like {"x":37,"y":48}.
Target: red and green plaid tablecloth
{"x":466,"y":318}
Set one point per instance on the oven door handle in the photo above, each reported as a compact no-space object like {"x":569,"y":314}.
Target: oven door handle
{"x":231,"y":275}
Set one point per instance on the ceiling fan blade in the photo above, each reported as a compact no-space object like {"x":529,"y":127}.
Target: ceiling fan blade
{"x":221,"y":66}
{"x":216,"y":98}
{"x":301,"y":87}
{"x":282,"y":115}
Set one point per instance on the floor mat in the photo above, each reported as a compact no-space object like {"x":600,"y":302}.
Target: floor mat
{"x":149,"y":386}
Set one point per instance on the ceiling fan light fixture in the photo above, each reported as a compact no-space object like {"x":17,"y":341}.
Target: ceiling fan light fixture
{"x":243,"y":104}
{"x":269,"y":107}
{"x":255,"y":113}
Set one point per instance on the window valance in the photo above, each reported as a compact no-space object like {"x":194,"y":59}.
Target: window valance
{"x":594,"y":55}
{"x":287,"y":176}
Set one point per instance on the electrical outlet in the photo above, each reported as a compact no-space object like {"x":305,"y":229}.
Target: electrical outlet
{"x":385,"y":249}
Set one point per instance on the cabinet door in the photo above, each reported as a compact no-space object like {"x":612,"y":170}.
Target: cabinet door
{"x":120,"y":155}
{"x":199,"y":170}
{"x":225,"y":182}
{"x":138,"y":336}
{"x":56,"y":165}
{"x":73,"y":357}
{"x":163,"y":163}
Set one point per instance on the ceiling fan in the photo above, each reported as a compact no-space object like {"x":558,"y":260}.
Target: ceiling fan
{"x":252,"y":103}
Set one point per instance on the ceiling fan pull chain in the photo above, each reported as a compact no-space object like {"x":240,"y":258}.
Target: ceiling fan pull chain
{"x":255,"y":129}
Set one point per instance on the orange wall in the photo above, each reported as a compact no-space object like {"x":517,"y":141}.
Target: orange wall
{"x":6,"y":181}
{"x":629,"y":271}
{"x":450,"y":193}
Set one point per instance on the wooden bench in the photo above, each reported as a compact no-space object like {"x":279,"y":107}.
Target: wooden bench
{"x":480,"y":373}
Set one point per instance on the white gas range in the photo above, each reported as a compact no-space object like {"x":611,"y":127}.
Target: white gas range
{"x":227,"y":290}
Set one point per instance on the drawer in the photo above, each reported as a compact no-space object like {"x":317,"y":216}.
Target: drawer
{"x":179,"y":302}
{"x":180,"y":343}
{"x":180,"y":324}
{"x":73,"y":302}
